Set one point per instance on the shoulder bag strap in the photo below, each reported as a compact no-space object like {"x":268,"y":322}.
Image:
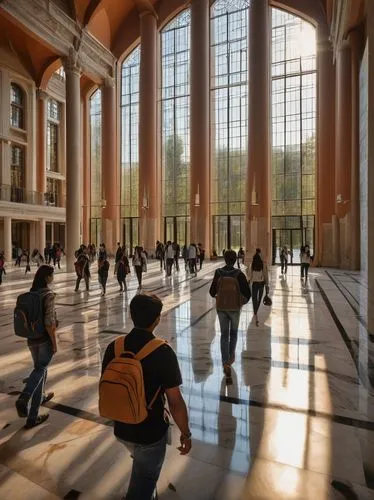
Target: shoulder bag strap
{"x":119,"y":346}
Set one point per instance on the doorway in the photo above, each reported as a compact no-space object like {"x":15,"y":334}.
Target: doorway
{"x":293,"y":239}
{"x":130,"y":233}
{"x":228,"y":232}
{"x":177,"y":229}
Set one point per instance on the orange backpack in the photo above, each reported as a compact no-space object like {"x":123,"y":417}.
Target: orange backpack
{"x":121,"y":389}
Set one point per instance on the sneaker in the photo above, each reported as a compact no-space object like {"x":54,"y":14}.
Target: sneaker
{"x":22,"y":405}
{"x":39,"y":420}
{"x":47,"y":397}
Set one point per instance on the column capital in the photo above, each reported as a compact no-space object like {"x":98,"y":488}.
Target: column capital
{"x":109,"y":83}
{"x":72,"y":62}
{"x":41,"y":94}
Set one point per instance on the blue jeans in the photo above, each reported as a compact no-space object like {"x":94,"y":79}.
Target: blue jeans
{"x":41,"y":355}
{"x":148,"y":460}
{"x":304,"y":269}
{"x":229,"y":324}
{"x":257,"y":292}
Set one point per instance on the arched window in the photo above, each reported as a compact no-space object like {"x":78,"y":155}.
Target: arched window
{"x":17,"y":105}
{"x":229,"y":100}
{"x":130,"y":148}
{"x":53,"y":125}
{"x":294,"y":132}
{"x":96,"y":177}
{"x":175,"y":131}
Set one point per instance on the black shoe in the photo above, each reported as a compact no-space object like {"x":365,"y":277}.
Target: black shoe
{"x":39,"y":420}
{"x":21,"y":405}
{"x":48,"y":397}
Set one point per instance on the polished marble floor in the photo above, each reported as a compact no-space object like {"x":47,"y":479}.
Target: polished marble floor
{"x":296,"y":423}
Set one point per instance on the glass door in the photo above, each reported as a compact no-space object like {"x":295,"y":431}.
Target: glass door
{"x":293,"y":239}
{"x":130,"y":233}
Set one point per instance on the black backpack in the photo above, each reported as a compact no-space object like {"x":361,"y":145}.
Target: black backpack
{"x":29,"y":315}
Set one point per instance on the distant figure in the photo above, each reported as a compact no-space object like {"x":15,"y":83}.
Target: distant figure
{"x":2,"y":266}
{"x":192,"y":254}
{"x":103,"y":271}
{"x":241,"y":257}
{"x":284,"y":260}
{"x":82,"y":268}
{"x":257,"y":274}
{"x":201,"y":255}
{"x":36,"y":257}
{"x":139,"y":261}
{"x":123,"y":270}
{"x":160,"y":253}
{"x":169,"y":257}
{"x":306,"y":259}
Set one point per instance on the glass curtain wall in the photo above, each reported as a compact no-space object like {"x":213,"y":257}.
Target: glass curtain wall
{"x":96,"y":177}
{"x":130,"y":149}
{"x":175,"y":132}
{"x":293,"y":132}
{"x":229,"y":104}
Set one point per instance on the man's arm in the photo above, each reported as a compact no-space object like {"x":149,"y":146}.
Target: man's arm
{"x":50,"y":318}
{"x":213,"y":286}
{"x":178,"y":410}
{"x":244,"y":286}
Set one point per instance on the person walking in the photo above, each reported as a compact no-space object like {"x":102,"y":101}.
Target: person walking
{"x":123,"y":270}
{"x":117,"y":257}
{"x":306,"y":259}
{"x":139,"y":261}
{"x":26,"y":253}
{"x":241,"y":257}
{"x":231,"y":290}
{"x":162,"y":378}
{"x":192,"y":254}
{"x":82,"y":268}
{"x":258,"y":276}
{"x":160,"y":253}
{"x":103,"y":271}
{"x":201,"y":255}
{"x":177,"y":252}
{"x":169,"y":256}
{"x":2,"y":266}
{"x":42,"y":350}
{"x":284,"y":260}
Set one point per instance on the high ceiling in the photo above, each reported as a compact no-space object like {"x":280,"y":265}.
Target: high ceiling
{"x":115,"y":23}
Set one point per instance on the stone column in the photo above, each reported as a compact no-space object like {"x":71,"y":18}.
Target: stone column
{"x":42,"y":98}
{"x":258,"y":195}
{"x":41,"y":236}
{"x":326,"y":197}
{"x":355,"y":42}
{"x":8,"y":239}
{"x":110,"y":213}
{"x":148,"y":202}
{"x":200,"y":213}
{"x":86,"y":172}
{"x":343,"y":149}
{"x":73,"y":135}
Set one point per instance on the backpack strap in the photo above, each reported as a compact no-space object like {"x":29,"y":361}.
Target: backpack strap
{"x":149,"y":347}
{"x":119,"y":346}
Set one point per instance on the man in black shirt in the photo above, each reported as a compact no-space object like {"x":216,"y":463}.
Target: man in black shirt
{"x":160,"y":369}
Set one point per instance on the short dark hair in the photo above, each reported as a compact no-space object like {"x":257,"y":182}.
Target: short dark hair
{"x":230,"y":257}
{"x":145,"y":308}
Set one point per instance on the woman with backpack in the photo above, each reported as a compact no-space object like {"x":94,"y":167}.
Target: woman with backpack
{"x":258,"y":277}
{"x":103,"y":271}
{"x":42,"y":350}
{"x":123,"y":269}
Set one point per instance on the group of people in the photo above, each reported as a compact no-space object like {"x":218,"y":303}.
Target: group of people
{"x":306,"y":260}
{"x":144,"y":431}
{"x":169,"y":253}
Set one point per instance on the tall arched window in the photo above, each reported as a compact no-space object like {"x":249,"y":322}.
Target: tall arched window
{"x":96,"y":177}
{"x":229,"y":100}
{"x":17,"y":105}
{"x":175,"y":135}
{"x":294,"y":132}
{"x":17,"y":174}
{"x":130,"y":148}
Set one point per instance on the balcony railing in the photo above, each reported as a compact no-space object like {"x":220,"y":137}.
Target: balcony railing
{"x":21,"y":195}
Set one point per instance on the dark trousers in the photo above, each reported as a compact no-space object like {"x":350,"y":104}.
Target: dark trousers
{"x":257,"y":293}
{"x":86,"y":280}
{"x":284,"y":264}
{"x":102,"y":281}
{"x":304,"y":270}
{"x":176,"y":260}
{"x":139,"y":272}
{"x":169,"y":266}
{"x":122,"y":284}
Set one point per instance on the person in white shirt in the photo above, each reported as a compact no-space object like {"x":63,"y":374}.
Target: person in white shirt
{"x":192,"y":258}
{"x":306,"y":260}
{"x":139,"y":261}
{"x":169,"y":256}
{"x":258,"y":276}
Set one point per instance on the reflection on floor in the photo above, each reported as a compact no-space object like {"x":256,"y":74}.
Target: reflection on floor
{"x":296,"y":423}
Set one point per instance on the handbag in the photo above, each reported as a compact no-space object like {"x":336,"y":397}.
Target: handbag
{"x":267,"y":300}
